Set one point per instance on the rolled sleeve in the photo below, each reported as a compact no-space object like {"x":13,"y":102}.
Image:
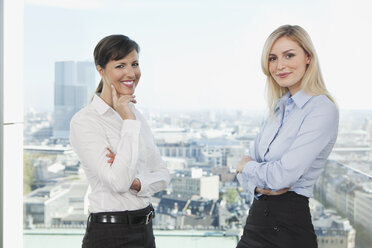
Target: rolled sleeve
{"x":252,"y":182}
{"x":144,"y":192}
{"x":154,"y":176}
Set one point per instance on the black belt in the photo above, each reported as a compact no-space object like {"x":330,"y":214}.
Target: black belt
{"x":125,"y":217}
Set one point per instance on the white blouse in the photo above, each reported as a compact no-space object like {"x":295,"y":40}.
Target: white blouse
{"x":97,"y":127}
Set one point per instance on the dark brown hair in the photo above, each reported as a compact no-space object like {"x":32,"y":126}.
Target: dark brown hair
{"x":112,"y":47}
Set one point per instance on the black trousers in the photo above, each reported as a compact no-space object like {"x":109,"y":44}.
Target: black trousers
{"x":282,"y":221}
{"x":105,"y":235}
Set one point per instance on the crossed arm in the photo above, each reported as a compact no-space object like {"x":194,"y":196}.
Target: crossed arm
{"x":314,"y":140}
{"x":258,"y":190}
{"x":136,"y":184}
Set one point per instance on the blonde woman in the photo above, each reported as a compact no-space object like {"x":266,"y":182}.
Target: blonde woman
{"x":290,"y":151}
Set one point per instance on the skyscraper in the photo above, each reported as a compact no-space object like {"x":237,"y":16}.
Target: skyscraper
{"x":74,"y":85}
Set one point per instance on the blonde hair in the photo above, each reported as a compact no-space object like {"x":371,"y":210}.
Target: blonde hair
{"x":312,"y":82}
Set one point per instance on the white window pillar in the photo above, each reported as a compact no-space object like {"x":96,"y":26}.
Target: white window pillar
{"x":1,"y":121}
{"x":11,"y":123}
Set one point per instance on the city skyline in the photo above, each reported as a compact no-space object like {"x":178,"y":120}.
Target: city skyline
{"x":201,"y":151}
{"x":198,"y":55}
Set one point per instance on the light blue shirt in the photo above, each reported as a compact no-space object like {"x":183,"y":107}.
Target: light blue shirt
{"x":293,"y":145}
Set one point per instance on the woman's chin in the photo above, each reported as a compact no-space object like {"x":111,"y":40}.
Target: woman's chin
{"x":126,"y":92}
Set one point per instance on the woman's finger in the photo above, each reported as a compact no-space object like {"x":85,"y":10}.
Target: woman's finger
{"x":279,"y":192}
{"x":126,"y":98}
{"x":263,"y":191}
{"x":110,"y":155}
{"x":266,"y":192}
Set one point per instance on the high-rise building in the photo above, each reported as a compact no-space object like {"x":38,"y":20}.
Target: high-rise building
{"x":85,"y":75}
{"x":74,"y":86}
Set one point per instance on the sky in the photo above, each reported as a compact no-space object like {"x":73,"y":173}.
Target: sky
{"x":199,"y":54}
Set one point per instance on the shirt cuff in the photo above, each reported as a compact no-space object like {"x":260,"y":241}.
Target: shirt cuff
{"x":249,"y":172}
{"x":251,"y":186}
{"x":250,"y":168}
{"x":130,"y":126}
{"x":144,"y":192}
{"x":242,"y":181}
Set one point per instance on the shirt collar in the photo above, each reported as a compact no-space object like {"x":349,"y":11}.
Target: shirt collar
{"x":100,"y":105}
{"x":300,"y":98}
{"x":282,"y":101}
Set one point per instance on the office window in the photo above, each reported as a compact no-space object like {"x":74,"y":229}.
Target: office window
{"x":202,"y":92}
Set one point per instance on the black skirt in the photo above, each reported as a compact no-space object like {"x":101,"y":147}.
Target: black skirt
{"x":115,"y":235}
{"x":282,"y":221}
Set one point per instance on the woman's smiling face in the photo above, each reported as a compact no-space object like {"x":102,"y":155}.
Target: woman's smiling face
{"x":288,"y":63}
{"x":124,"y":73}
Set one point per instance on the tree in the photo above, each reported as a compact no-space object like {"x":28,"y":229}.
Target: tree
{"x":231,"y":195}
{"x":28,"y":174}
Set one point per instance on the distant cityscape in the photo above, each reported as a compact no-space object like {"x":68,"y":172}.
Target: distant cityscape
{"x":201,"y":150}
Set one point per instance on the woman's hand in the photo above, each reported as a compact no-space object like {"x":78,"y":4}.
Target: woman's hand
{"x":111,"y":156}
{"x":269,"y":192}
{"x":121,"y":104}
{"x":243,"y":161}
{"x":136,"y":184}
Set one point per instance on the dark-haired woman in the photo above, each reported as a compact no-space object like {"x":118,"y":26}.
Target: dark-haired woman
{"x":117,"y":152}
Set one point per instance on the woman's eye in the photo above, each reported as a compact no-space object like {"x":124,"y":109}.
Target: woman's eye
{"x":135,"y":64}
{"x":119,"y":66}
{"x":272,"y":58}
{"x":289,"y":55}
